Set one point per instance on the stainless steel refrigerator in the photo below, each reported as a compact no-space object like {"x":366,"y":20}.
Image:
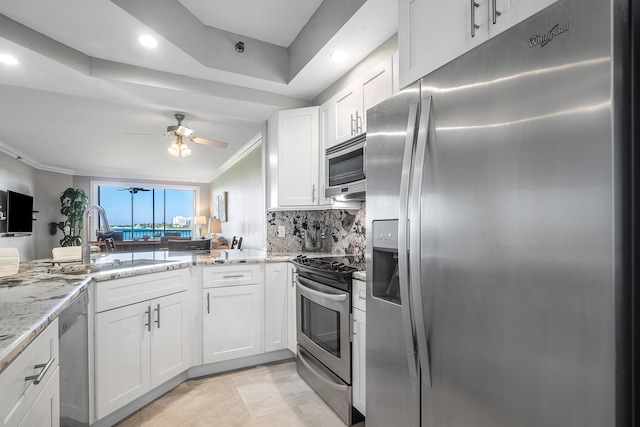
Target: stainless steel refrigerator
{"x":500,"y":231}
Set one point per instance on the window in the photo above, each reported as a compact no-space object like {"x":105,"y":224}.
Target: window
{"x":137,"y":211}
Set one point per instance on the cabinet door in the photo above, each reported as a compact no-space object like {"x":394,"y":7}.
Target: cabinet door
{"x":376,"y":86}
{"x":434,"y":32}
{"x":346,"y":105}
{"x":511,"y":12}
{"x":276,"y":306}
{"x":325,"y":142}
{"x":170,"y":337}
{"x":122,"y":356}
{"x":233,"y":322}
{"x":45,"y":411}
{"x":359,"y":347}
{"x":298,"y":157}
{"x":18,"y":395}
{"x":292,"y":328}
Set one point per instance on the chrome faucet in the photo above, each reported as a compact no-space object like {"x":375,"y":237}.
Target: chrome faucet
{"x":86,"y":248}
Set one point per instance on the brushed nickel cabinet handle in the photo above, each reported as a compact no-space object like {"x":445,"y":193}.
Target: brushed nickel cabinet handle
{"x":474,"y":26}
{"x":208,"y":304}
{"x":495,"y":12}
{"x":157,"y":321}
{"x":148,"y":314}
{"x":38,"y":378}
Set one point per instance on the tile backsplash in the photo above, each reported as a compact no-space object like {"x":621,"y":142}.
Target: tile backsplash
{"x":332,"y":230}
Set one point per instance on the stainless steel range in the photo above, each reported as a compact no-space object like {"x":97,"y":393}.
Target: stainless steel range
{"x":324,"y":322}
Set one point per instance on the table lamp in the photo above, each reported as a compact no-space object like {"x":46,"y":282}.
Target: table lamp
{"x":215,"y":227}
{"x":201,"y":220}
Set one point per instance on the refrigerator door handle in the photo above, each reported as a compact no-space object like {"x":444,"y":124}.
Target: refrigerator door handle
{"x":415,"y":246}
{"x":403,"y":261}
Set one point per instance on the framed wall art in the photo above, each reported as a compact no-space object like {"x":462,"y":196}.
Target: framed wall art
{"x":222,"y":206}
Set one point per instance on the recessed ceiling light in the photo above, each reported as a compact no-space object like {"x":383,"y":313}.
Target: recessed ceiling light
{"x":8,"y":59}
{"x":148,"y":41}
{"x":338,"y":55}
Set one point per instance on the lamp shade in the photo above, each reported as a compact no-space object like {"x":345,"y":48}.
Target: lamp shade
{"x":215,"y":226}
{"x":201,"y":219}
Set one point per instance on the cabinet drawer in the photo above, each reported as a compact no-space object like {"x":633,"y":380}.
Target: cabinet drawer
{"x":359,"y":295}
{"x":232,"y":275}
{"x":18,"y":394}
{"x":130,"y":290}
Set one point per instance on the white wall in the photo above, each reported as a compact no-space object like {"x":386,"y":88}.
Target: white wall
{"x":45,"y":187}
{"x":49,"y":186}
{"x":244,"y":185}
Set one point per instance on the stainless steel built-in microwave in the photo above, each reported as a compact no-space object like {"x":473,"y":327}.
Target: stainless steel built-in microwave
{"x":345,"y":170}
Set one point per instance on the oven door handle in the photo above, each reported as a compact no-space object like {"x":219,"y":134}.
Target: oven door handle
{"x":332,"y":297}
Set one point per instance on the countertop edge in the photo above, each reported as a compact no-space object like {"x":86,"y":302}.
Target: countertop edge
{"x":23,"y":341}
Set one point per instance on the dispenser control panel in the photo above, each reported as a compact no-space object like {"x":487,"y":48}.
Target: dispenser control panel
{"x":385,"y":234}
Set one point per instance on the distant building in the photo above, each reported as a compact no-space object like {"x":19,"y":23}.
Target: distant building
{"x":181,"y":221}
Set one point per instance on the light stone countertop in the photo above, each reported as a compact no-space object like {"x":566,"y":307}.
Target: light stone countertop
{"x":360,"y":275}
{"x":34,"y":297}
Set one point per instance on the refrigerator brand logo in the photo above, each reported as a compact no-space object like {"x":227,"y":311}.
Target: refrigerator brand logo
{"x":542,"y":39}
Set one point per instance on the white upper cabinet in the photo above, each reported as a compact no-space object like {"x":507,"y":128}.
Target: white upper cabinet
{"x":345,"y":119}
{"x":507,"y":13}
{"x":294,"y":158}
{"x":325,"y":142}
{"x":349,"y":106}
{"x":432,"y":33}
{"x":376,"y":86}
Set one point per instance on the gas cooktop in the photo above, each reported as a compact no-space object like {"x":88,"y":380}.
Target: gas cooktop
{"x":333,"y":271}
{"x":334,"y":264}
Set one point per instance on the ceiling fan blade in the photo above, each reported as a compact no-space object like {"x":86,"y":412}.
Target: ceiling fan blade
{"x":145,"y":134}
{"x":208,"y":142}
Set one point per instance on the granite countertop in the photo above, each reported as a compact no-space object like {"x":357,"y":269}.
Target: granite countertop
{"x":34,"y":297}
{"x":360,"y":275}
{"x":29,"y":302}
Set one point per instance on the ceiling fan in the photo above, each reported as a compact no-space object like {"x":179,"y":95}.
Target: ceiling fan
{"x":178,"y":148}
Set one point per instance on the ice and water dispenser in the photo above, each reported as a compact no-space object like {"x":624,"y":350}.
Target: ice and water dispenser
{"x":385,"y":284}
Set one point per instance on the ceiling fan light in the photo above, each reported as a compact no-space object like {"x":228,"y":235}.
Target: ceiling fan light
{"x":184,"y":131}
{"x":174,"y":149}
{"x":185,"y":151}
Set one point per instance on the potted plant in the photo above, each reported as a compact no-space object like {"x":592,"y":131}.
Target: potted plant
{"x":73,"y":202}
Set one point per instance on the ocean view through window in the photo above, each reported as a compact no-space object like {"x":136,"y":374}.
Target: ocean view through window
{"x":139,"y":211}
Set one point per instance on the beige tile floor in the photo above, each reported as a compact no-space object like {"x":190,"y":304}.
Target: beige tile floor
{"x":272,"y":395}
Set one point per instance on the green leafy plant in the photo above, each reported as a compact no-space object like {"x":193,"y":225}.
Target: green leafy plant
{"x":73,"y":202}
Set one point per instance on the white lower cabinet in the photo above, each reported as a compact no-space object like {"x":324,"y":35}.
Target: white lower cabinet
{"x":359,"y":347}
{"x":141,"y":345}
{"x":233,"y":316}
{"x":292,"y":325}
{"x":45,"y":411}
{"x":31,"y":384}
{"x":122,"y":357}
{"x":276,"y":315}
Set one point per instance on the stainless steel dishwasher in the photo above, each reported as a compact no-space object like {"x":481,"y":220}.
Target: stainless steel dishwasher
{"x":74,"y":363}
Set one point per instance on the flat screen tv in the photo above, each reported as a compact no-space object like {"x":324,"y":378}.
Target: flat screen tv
{"x":19,"y":213}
